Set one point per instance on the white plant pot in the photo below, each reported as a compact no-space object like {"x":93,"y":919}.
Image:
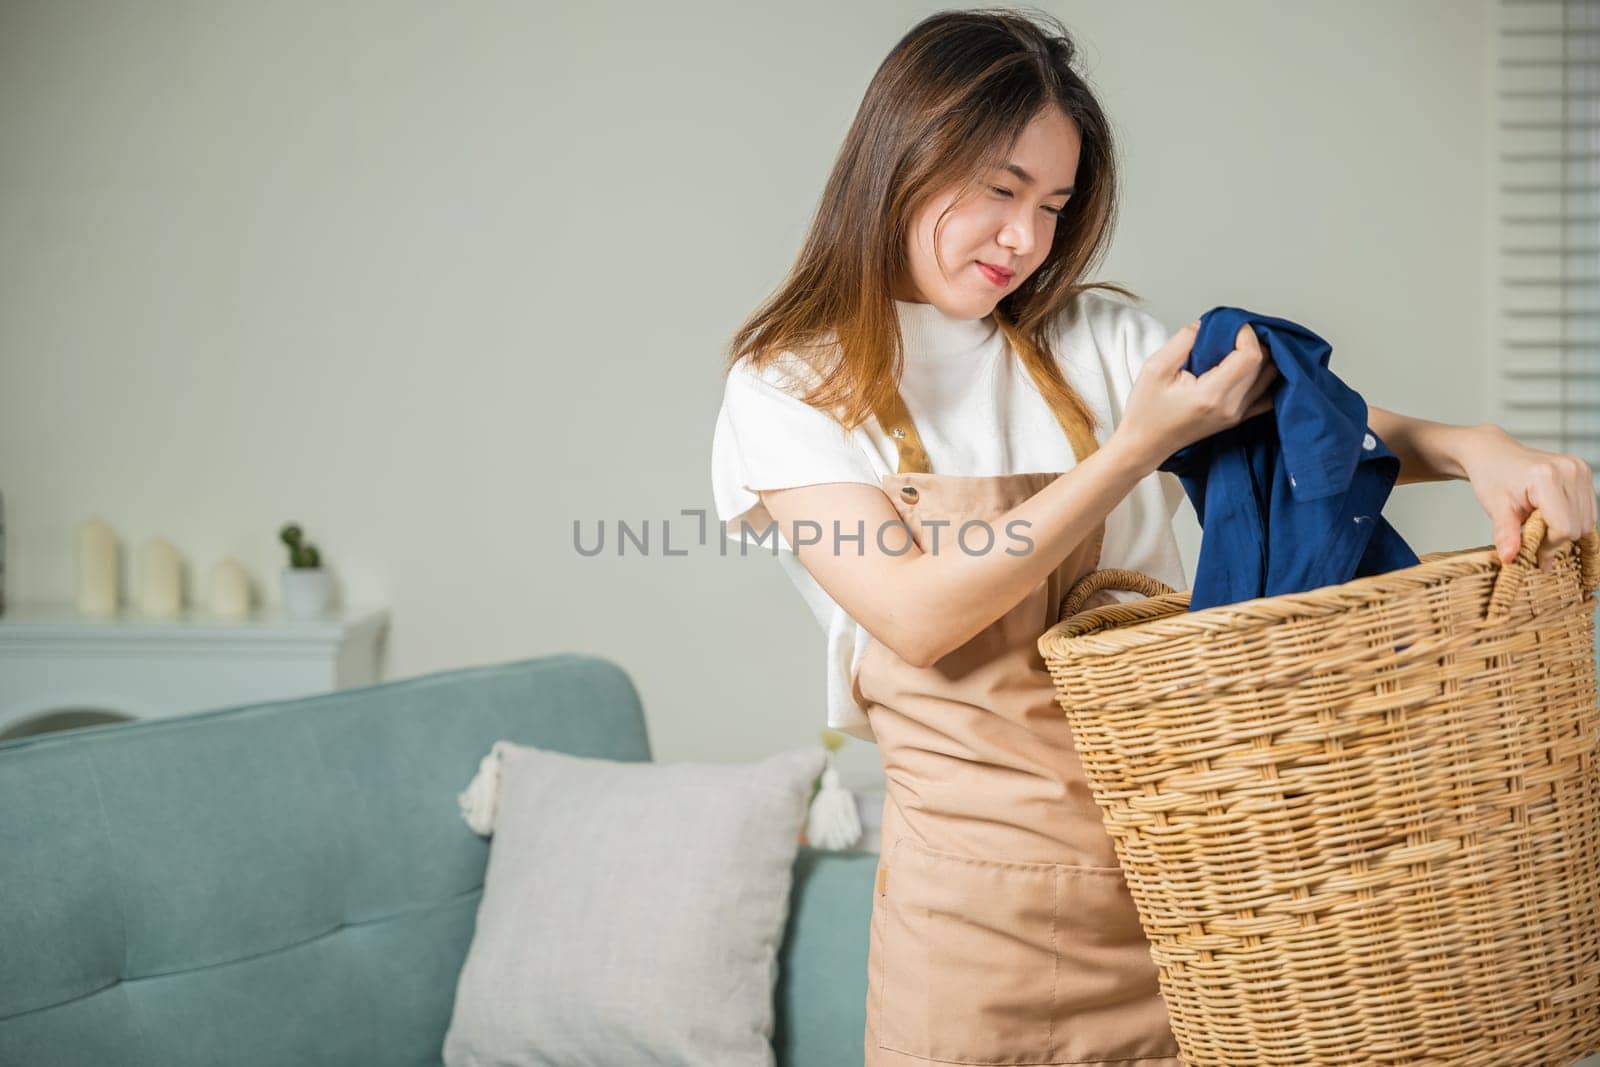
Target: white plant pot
{"x":307,"y":591}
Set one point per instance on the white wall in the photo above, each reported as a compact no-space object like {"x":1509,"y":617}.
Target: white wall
{"x":436,"y":280}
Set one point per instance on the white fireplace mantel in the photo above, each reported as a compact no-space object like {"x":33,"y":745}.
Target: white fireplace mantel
{"x":54,"y":659}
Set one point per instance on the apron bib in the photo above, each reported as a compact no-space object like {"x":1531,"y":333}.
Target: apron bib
{"x":1003,"y":931}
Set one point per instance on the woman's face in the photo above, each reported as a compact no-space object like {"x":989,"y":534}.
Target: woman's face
{"x":1008,"y":225}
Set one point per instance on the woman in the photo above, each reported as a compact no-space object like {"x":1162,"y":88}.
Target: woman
{"x":948,"y":426}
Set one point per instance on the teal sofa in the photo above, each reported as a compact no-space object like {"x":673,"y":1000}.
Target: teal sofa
{"x":292,"y":882}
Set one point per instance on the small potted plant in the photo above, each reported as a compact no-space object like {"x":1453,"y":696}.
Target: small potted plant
{"x":307,"y":588}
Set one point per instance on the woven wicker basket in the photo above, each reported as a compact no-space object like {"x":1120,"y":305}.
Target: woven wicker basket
{"x":1361,"y":824}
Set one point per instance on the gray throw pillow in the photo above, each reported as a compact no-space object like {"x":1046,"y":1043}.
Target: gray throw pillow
{"x":632,"y":912}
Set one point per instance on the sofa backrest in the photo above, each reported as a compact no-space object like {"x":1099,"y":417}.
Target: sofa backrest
{"x":279,"y":883}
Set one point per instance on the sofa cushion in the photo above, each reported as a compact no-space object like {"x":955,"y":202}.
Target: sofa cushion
{"x":631,"y":912}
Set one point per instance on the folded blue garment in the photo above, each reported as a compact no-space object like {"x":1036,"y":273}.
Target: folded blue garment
{"x":1288,"y":500}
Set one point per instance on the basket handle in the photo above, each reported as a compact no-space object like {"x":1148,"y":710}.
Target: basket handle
{"x":1509,"y":581}
{"x":1109,"y":578}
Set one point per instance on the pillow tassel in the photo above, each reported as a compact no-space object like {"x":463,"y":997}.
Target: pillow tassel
{"x":478,"y":801}
{"x":833,"y":821}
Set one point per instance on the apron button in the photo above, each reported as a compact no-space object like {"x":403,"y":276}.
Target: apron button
{"x":908,"y":493}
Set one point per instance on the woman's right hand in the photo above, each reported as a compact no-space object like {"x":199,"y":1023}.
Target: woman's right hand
{"x":1168,"y":407}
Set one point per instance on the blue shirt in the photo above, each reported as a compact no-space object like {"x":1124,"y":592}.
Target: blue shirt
{"x":1288,"y":500}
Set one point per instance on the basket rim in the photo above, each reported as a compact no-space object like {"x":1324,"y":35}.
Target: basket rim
{"x":1115,"y":628}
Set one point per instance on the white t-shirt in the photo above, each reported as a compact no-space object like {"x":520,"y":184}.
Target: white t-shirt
{"x":978,"y":412}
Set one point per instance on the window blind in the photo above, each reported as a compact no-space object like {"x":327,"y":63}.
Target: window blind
{"x":1546,"y":246}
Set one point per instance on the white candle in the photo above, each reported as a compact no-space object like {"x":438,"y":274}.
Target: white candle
{"x":158,"y":578}
{"x":230,"y":589}
{"x":97,"y":567}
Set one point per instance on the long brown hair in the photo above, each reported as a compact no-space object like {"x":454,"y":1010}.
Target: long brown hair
{"x":945,"y":106}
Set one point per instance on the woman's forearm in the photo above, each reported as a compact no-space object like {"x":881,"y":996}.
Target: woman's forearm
{"x":956,"y":594}
{"x":1428,"y":451}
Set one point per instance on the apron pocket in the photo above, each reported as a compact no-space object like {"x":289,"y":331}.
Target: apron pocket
{"x":1010,"y":962}
{"x":968,"y":967}
{"x":1108,"y":993}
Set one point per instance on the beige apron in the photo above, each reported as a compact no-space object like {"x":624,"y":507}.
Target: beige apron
{"x":1002,"y":929}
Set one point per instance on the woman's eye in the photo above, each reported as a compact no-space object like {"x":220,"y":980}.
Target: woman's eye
{"x":1007,"y":192}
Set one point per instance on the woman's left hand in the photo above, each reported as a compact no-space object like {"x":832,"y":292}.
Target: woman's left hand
{"x":1510,"y":479}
